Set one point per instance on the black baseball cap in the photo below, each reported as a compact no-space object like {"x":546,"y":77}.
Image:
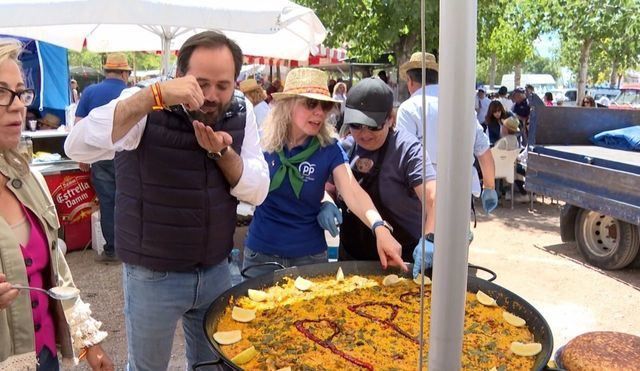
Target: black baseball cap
{"x":368,"y":103}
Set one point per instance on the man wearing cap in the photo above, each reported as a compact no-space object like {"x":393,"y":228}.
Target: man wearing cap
{"x":257,"y":96}
{"x":522,"y":109}
{"x":103,"y":174}
{"x":410,"y":118}
{"x":186,"y":150}
{"x":388,"y":165}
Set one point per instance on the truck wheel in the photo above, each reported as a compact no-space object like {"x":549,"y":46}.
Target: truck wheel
{"x":606,"y":242}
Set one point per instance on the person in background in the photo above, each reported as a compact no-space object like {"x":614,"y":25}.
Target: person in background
{"x":409,"y":118}
{"x":603,"y":102}
{"x":340,"y":94}
{"x":302,"y":152}
{"x":32,"y":325}
{"x":481,"y":105}
{"x":75,"y":97}
{"x":588,"y":102}
{"x":503,"y":97}
{"x":529,"y":90}
{"x":103,"y":173}
{"x":276,"y":86}
{"x":257,"y":96}
{"x":548,"y":99}
{"x":522,"y":110}
{"x":388,"y":164}
{"x":493,"y":121}
{"x":510,"y":129}
{"x":382,"y":75}
{"x":178,"y":186}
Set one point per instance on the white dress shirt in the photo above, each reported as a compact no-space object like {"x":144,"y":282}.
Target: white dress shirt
{"x":90,"y":141}
{"x":262,"y":111}
{"x":482,"y":107}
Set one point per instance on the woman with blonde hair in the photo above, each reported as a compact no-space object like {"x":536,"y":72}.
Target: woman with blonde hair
{"x":257,"y":96}
{"x":34,"y":327}
{"x":340,"y":94}
{"x":302,"y":152}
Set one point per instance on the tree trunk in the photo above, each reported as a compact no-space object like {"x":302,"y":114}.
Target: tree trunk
{"x":620,"y":76}
{"x":403,"y":49}
{"x":614,"y":74}
{"x":517,"y":75}
{"x":492,"y":71}
{"x":585,"y":49}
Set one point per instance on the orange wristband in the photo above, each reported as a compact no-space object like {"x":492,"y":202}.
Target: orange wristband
{"x":156,"y":97}
{"x":83,"y":353}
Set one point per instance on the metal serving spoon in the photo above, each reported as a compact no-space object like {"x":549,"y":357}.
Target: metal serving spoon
{"x":57,"y":292}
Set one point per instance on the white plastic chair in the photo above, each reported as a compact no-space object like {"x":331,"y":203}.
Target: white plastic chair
{"x":505,"y":166}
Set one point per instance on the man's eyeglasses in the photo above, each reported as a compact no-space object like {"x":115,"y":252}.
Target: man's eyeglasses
{"x":7,"y":96}
{"x":360,"y":127}
{"x":311,"y":104}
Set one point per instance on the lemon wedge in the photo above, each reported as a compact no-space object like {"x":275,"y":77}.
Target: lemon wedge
{"x":493,"y":368}
{"x":302,"y":284}
{"x":514,"y":320}
{"x":243,"y":315}
{"x":485,"y":299}
{"x":418,"y":280}
{"x":227,"y":337}
{"x":245,"y":356}
{"x":391,"y":279}
{"x":284,"y":369}
{"x":526,"y":350}
{"x":257,"y":295}
{"x":339,"y":275}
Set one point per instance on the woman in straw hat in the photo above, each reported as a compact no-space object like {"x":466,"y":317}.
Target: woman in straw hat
{"x":302,"y":152}
{"x":33,"y":327}
{"x":257,"y":96}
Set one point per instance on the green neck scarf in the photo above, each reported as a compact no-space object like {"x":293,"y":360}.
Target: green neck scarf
{"x":290,"y":166}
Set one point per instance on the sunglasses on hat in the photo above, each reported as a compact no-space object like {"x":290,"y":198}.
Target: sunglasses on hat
{"x":311,"y":104}
{"x":361,"y":126}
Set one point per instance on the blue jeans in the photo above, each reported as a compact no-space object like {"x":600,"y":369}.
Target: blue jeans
{"x":155,"y":301}
{"x":253,"y":257}
{"x":47,"y":361}
{"x":103,"y":177}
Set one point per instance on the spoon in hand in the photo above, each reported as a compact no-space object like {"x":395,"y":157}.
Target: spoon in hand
{"x":57,"y":292}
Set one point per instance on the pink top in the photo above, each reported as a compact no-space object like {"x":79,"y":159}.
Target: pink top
{"x":36,"y":259}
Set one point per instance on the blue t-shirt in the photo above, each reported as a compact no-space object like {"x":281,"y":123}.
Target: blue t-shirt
{"x":284,"y":225}
{"x":400,"y":172}
{"x":98,"y":95}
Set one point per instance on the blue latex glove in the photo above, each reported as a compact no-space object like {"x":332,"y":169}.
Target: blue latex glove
{"x":489,"y":199}
{"x":417,"y":256}
{"x":328,"y":216}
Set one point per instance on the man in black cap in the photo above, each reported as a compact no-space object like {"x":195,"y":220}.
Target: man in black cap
{"x":388,"y":165}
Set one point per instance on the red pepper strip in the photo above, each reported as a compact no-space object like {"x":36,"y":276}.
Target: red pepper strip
{"x":386,"y":322}
{"x":403,"y":298}
{"x":326,"y":343}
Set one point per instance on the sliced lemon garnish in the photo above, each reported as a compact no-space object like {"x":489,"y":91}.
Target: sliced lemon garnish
{"x":284,"y":369}
{"x":227,"y":337}
{"x":526,"y":350}
{"x":302,"y":284}
{"x":391,"y":279}
{"x":257,"y":295}
{"x":485,"y":299}
{"x":243,"y":315}
{"x":339,"y":275}
{"x":418,"y":280}
{"x":514,"y":320}
{"x":493,"y":368}
{"x":245,"y":356}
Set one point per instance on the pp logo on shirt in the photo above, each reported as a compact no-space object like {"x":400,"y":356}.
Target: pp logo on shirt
{"x":307,"y":169}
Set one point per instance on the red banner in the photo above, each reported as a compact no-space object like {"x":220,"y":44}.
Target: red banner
{"x":75,"y":200}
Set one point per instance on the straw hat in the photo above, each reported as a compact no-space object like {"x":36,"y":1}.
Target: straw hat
{"x":306,"y":82}
{"x":512,"y":123}
{"x":249,"y":85}
{"x":117,"y":62}
{"x":416,"y":63}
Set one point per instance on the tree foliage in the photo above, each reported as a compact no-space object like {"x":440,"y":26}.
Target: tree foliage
{"x":141,"y":60}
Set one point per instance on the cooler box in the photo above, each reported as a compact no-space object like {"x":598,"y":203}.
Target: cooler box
{"x":75,"y":200}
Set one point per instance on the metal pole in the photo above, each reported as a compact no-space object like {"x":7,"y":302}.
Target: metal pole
{"x":456,"y":133}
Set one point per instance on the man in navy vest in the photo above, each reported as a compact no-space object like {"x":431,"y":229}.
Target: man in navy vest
{"x":186,"y":150}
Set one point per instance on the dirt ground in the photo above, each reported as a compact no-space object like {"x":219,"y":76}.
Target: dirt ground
{"x":523,"y":247}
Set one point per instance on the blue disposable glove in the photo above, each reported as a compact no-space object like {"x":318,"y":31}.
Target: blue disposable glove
{"x":489,"y":199}
{"x":329,"y":216}
{"x":417,"y":256}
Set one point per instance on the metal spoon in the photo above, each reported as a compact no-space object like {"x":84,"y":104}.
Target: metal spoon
{"x":57,"y":292}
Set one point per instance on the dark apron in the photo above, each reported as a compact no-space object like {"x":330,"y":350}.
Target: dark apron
{"x":357,"y":239}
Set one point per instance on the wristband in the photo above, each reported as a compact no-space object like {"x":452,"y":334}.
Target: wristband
{"x":381,"y":223}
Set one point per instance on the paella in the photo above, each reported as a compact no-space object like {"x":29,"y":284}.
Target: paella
{"x":361,"y":323}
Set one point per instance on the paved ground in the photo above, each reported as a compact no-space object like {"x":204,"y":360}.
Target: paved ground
{"x":522,"y":247}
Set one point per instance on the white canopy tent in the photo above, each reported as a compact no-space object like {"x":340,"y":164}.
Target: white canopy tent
{"x":274,"y":28}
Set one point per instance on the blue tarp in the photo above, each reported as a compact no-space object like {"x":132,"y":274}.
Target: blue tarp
{"x":46,"y":70}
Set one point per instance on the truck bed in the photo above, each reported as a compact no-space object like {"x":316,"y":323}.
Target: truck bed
{"x":595,"y":155}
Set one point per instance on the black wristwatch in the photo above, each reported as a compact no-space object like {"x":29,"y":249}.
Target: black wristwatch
{"x":217,"y":155}
{"x":381,"y":223}
{"x":429,"y":237}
